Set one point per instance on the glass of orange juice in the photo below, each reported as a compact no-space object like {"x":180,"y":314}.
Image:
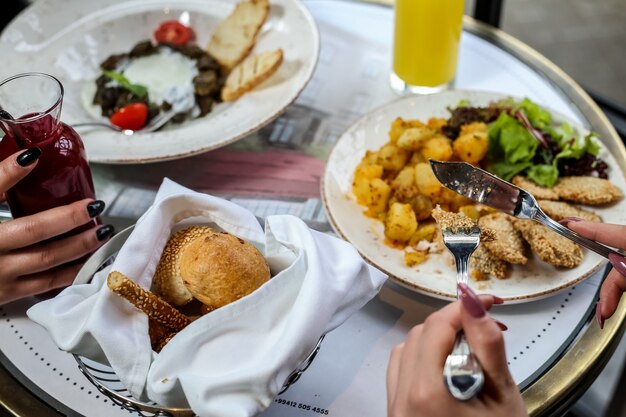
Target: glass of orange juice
{"x":426,"y":44}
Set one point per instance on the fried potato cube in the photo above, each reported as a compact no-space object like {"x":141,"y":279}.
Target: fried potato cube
{"x":392,"y":158}
{"x":436,"y":123}
{"x":439,"y":148}
{"x":416,"y":158}
{"x":378,"y":196}
{"x":470,"y":211}
{"x":415,"y":258}
{"x":473,"y":127}
{"x":426,"y":181}
{"x":471,"y":147}
{"x":399,"y":125}
{"x":368,"y":171}
{"x":403,"y":186}
{"x":414,"y":138}
{"x":424,"y":231}
{"x":370,"y":158}
{"x":400,"y":223}
{"x":422,"y":206}
{"x":363,"y":176}
{"x":361,"y":190}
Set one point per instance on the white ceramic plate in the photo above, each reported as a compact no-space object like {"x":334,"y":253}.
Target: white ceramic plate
{"x":69,"y":38}
{"x":436,"y":277}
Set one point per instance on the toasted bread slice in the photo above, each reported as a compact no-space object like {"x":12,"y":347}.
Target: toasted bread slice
{"x":235,"y":36}
{"x":250,"y":73}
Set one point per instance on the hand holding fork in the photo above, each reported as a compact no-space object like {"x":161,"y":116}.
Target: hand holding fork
{"x":462,"y":373}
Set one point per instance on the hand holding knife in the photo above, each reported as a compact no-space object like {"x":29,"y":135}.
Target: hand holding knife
{"x":485,"y":188}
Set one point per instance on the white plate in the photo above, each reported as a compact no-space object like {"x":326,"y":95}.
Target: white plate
{"x":69,"y":38}
{"x":436,"y":277}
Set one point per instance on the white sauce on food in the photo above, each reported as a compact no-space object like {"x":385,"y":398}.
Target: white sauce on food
{"x":166,"y":75}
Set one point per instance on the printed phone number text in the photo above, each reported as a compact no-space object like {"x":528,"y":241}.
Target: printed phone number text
{"x":302,"y":406}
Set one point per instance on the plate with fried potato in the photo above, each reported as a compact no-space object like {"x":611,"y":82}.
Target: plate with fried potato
{"x":379,"y":191}
{"x":222,"y":68}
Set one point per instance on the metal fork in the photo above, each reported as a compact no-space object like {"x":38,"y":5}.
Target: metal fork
{"x":462,"y":373}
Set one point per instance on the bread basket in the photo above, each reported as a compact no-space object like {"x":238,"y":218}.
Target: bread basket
{"x":103,"y":377}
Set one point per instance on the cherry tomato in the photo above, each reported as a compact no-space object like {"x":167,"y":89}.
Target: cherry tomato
{"x":133,"y":116}
{"x":174,"y":32}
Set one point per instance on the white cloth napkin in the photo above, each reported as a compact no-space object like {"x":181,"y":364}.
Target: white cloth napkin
{"x":233,"y":361}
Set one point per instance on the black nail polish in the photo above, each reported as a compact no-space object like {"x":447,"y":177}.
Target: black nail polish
{"x":104,"y":232}
{"x":95,"y":207}
{"x":28,"y":157}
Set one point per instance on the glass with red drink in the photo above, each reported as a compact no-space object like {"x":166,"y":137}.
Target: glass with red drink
{"x":32,"y":108}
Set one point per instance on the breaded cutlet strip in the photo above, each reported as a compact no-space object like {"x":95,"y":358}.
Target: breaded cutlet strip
{"x":508,"y":244}
{"x":537,"y":191}
{"x":592,"y":191}
{"x":149,"y":303}
{"x":485,"y":263}
{"x":549,"y":246}
{"x":558,"y":210}
{"x":456,"y":222}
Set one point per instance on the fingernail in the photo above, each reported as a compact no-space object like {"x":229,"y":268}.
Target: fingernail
{"x":618,"y":262}
{"x":471,"y":303}
{"x":104,"y":232}
{"x":497,"y":300}
{"x":599,"y":317}
{"x":95,"y":207}
{"x":28,"y":157}
{"x":501,"y":325}
{"x":566,"y":220}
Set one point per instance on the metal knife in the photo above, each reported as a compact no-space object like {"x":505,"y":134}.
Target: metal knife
{"x":485,"y":188}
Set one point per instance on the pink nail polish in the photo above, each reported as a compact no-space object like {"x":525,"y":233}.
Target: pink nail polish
{"x":618,"y":262}
{"x":566,"y":220}
{"x":471,"y":303}
{"x":599,"y":317}
{"x":497,"y":300}
{"x":502,"y":326}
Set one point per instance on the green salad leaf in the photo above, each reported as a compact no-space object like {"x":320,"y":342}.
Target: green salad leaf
{"x":524,"y":141}
{"x":543,"y":174}
{"x":537,"y":115}
{"x":137,"y":89}
{"x":511,"y":142}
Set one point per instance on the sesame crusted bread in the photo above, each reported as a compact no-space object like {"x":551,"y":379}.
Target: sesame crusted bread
{"x":220,"y":268}
{"x":167,"y":281}
{"x":153,"y":306}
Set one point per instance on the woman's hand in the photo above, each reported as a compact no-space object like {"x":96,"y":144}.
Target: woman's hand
{"x":415,"y":386}
{"x":614,"y":285}
{"x":29,"y":263}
